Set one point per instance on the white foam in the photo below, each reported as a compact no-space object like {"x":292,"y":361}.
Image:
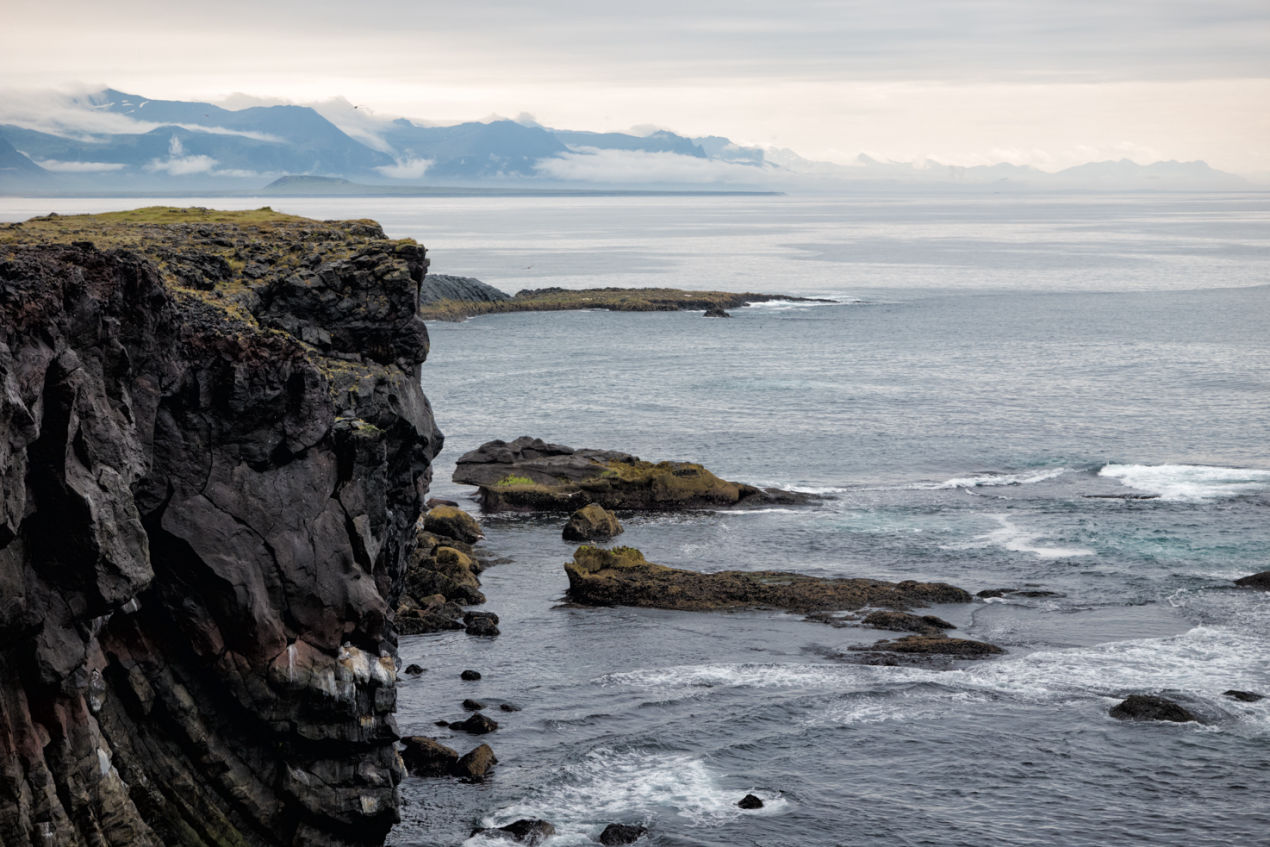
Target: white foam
{"x":1190,"y":483}
{"x":613,"y":784}
{"x":988,"y":480}
{"x":791,"y":305}
{"x":737,"y":676}
{"x":1018,"y":540}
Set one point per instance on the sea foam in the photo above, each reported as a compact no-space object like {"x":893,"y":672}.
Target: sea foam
{"x":1190,"y":483}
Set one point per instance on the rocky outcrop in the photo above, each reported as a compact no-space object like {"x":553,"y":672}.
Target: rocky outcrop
{"x":591,"y":523}
{"x":1258,"y":581}
{"x":621,"y":576}
{"x":437,"y":287}
{"x":906,"y":622}
{"x":616,"y":834}
{"x":442,"y":575}
{"x":213,"y":450}
{"x":529,"y":474}
{"x":1149,"y":707}
{"x":936,"y":645}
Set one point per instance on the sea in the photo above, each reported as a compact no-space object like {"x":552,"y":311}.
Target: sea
{"x":1063,"y":395}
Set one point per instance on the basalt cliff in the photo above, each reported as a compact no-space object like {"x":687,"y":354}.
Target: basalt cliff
{"x":213,"y":451}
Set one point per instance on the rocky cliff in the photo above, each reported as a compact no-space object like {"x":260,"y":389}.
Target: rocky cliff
{"x":213,"y":451}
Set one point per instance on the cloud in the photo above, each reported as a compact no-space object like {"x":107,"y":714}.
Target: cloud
{"x":406,"y":168}
{"x":79,"y":167}
{"x":356,"y":121}
{"x":179,"y":164}
{"x":639,"y":167}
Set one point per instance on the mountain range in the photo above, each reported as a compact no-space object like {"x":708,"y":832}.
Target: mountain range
{"x":114,"y":142}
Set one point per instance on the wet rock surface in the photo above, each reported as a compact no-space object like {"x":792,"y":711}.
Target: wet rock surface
{"x":749,"y":801}
{"x":531,"y":475}
{"x":906,"y":622}
{"x":528,"y":831}
{"x":592,"y":522}
{"x":623,"y":577}
{"x":616,"y":834}
{"x":936,"y":645}
{"x":475,"y":765}
{"x":1149,"y":707}
{"x":1257,"y":581}
{"x":442,"y":575}
{"x":208,"y":486}
{"x":428,"y":757}
{"x":1243,"y":696}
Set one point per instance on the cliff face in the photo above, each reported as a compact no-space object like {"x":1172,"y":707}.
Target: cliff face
{"x":213,"y":450}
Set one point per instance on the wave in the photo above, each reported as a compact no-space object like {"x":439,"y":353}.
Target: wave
{"x":986,"y":480}
{"x":1190,"y":483}
{"x":1018,"y":540}
{"x":611,"y":784}
{"x":789,"y":306}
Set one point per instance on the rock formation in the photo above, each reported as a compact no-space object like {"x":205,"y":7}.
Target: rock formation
{"x":442,"y":574}
{"x":440,"y":287}
{"x":530,"y":474}
{"x":214,"y":449}
{"x":591,"y":523}
{"x":1150,"y":707}
{"x":621,"y":576}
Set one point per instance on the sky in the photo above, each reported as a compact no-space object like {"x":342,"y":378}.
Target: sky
{"x":1035,"y":82}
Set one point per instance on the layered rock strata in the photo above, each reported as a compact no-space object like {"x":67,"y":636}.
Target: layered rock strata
{"x":213,"y":451}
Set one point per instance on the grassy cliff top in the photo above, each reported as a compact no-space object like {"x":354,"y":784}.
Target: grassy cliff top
{"x":611,"y":299}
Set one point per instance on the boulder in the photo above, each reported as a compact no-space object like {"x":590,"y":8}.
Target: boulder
{"x":621,"y":576}
{"x":1258,"y":581}
{"x":529,"y":475}
{"x":473,"y":705}
{"x":616,"y":834}
{"x":425,"y":756}
{"x":414,"y":670}
{"x":477,"y":724}
{"x":716,"y":312}
{"x":509,"y":707}
{"x":1148,"y":707}
{"x":590,"y":523}
{"x":453,"y":522}
{"x":476,"y":764}
{"x":481,"y":623}
{"x":749,"y":801}
{"x":470,"y":675}
{"x":906,"y":622}
{"x":433,"y":613}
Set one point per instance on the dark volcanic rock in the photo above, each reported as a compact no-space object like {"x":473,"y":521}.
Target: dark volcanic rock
{"x":749,"y":801}
{"x":1259,"y":581}
{"x":470,"y":675}
{"x":481,"y":623}
{"x":526,"y":831}
{"x":716,"y":312}
{"x":621,"y":576}
{"x":1148,"y":707}
{"x":425,"y":756}
{"x":476,"y":764}
{"x":414,"y":670}
{"x":937,"y":645}
{"x":473,"y":705}
{"x":906,"y":622}
{"x":445,"y":287}
{"x":616,"y":834}
{"x":1244,"y":696}
{"x":530,"y":474}
{"x":207,"y":500}
{"x":590,"y":523}
{"x":477,"y":724}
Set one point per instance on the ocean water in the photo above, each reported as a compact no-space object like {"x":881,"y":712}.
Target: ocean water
{"x":996,"y":377}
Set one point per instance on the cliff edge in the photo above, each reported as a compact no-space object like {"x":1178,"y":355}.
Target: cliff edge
{"x":213,"y":451}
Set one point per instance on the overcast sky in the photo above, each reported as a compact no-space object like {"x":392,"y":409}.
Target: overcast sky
{"x":1039,"y":82}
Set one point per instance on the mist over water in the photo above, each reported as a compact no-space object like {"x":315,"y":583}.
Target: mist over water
{"x":998,"y":383}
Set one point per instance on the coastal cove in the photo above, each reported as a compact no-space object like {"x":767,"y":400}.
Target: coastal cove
{"x":994,"y":384}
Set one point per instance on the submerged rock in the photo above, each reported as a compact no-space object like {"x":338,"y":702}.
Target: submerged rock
{"x":530,"y":474}
{"x":414,"y":670}
{"x":473,"y":705}
{"x":470,"y":675}
{"x":529,"y":831}
{"x":1243,"y":696}
{"x":1258,"y":581}
{"x":591,"y":523}
{"x":622,"y":576}
{"x":477,"y":724}
{"x":1148,"y":707}
{"x":750,"y":801}
{"x":428,"y":757}
{"x":616,"y":834}
{"x":716,"y":312}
